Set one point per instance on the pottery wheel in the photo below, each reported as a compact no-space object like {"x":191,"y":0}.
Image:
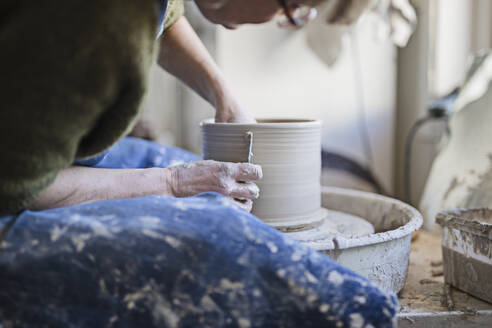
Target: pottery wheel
{"x":335,"y":224}
{"x":300,"y":222}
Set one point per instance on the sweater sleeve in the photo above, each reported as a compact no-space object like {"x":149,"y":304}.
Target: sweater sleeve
{"x":174,"y":12}
{"x":76,"y":74}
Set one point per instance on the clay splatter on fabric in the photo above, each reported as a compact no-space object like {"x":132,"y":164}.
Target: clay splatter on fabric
{"x":166,"y":262}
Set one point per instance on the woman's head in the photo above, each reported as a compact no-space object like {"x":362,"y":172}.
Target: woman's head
{"x":231,"y":13}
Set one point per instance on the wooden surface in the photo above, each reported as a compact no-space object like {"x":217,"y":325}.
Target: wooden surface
{"x":423,"y":302}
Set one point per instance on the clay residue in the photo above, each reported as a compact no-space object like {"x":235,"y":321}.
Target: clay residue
{"x":334,"y":224}
{"x":477,"y":221}
{"x":452,"y":186}
{"x":468,"y":274}
{"x":481,"y":194}
{"x":482,"y":245}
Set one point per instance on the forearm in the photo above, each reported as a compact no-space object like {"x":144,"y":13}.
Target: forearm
{"x":183,"y":55}
{"x":79,"y":185}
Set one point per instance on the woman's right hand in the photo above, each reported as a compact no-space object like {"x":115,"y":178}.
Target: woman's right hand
{"x":234,"y":180}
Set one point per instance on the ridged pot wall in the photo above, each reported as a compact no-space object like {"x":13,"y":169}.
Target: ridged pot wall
{"x":289,"y":152}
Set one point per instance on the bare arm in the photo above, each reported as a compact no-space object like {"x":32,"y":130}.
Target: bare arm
{"x":79,"y":185}
{"x":183,"y":55}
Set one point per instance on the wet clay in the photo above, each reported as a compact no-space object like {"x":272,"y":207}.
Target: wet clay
{"x":334,"y":225}
{"x":289,"y":152}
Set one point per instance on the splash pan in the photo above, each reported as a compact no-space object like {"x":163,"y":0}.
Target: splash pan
{"x":381,"y":257}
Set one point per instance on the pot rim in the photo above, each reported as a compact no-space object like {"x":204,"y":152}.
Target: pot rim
{"x":268,"y":123}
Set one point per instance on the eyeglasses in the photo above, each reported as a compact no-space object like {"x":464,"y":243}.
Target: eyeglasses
{"x":288,"y":13}
{"x":296,"y":15}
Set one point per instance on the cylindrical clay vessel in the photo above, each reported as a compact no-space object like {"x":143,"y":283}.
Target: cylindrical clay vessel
{"x":289,"y":152}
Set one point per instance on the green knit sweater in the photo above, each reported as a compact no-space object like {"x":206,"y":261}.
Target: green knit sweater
{"x":72,"y":79}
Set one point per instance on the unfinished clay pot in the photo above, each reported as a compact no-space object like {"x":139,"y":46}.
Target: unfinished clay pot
{"x":289,"y":152}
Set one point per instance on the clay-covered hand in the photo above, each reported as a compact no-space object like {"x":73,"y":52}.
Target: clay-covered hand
{"x":234,"y":180}
{"x":229,"y":110}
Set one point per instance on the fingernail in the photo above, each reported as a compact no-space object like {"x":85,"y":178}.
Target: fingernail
{"x":259,"y":170}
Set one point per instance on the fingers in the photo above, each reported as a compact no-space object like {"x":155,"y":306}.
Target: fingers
{"x":239,"y":178}
{"x":245,"y":191}
{"x":244,"y":172}
{"x":247,"y":172}
{"x":244,"y":204}
{"x":234,"y":180}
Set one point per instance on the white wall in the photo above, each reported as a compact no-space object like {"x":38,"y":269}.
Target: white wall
{"x":277,"y":75}
{"x":462,"y":27}
{"x":452,"y":45}
{"x":482,"y":24}
{"x":412,"y":99}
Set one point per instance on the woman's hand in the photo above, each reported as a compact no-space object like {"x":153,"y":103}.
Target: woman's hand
{"x":184,"y":56}
{"x":234,"y":180}
{"x":228,"y":108}
{"x":79,"y":185}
